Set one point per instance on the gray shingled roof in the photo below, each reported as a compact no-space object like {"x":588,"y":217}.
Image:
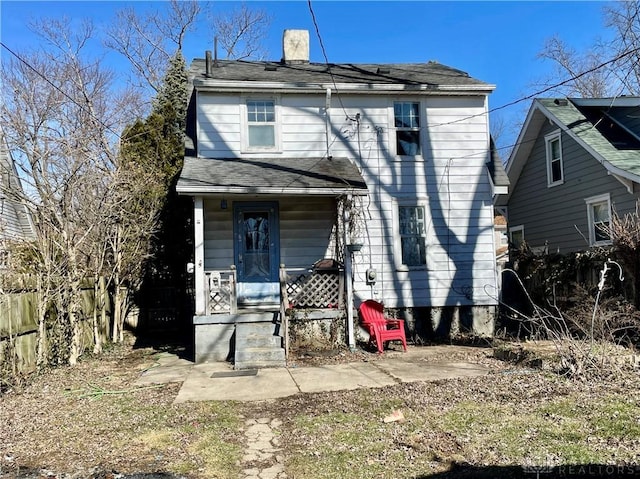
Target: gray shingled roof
{"x":566,"y":112}
{"x":320,"y":176}
{"x":15,"y":220}
{"x":406,"y":74}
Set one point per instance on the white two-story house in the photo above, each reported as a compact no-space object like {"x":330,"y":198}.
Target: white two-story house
{"x":317,"y":186}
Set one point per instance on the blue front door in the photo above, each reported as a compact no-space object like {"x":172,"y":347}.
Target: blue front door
{"x":256,"y":252}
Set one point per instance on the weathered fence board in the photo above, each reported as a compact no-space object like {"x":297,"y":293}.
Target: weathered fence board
{"x":19,"y":322}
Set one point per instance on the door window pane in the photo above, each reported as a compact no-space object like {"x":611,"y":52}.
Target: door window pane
{"x":256,"y":261}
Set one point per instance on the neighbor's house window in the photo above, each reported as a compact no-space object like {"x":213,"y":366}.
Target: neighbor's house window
{"x":261,"y":124}
{"x":516,"y":236}
{"x":555,"y":175}
{"x":599,"y":216}
{"x":412,"y":235}
{"x":407,"y":122}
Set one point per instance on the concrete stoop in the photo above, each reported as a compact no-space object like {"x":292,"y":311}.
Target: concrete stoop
{"x":258,"y":345}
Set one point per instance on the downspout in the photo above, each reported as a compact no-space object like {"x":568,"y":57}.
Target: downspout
{"x":327,"y":121}
{"x":348,"y":276}
{"x":200,"y":280}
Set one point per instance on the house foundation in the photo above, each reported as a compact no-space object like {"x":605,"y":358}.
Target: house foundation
{"x":426,"y":324}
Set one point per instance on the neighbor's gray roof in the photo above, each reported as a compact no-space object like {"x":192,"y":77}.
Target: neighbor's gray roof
{"x":402,"y":74}
{"x":566,"y":112}
{"x":319,"y":176}
{"x":624,"y":162}
{"x":15,"y":220}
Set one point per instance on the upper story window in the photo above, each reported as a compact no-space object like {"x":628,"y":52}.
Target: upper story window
{"x":599,"y":217}
{"x":412,"y":235}
{"x":406,"y":117}
{"x":555,"y":174}
{"x":261,"y":124}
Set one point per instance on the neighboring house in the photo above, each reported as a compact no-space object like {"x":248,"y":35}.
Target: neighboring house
{"x":576,"y":162}
{"x":15,"y":219}
{"x":322,"y":186}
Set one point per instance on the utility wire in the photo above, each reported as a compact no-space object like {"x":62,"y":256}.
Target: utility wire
{"x":544,"y":90}
{"x":57,"y":88}
{"x":501,"y":107}
{"x":326,"y":59}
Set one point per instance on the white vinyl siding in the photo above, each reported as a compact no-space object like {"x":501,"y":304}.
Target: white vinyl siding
{"x":555,"y":170}
{"x":452,"y":184}
{"x":599,"y":219}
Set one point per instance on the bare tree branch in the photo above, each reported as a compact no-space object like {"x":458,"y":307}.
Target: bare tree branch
{"x":241,"y":33}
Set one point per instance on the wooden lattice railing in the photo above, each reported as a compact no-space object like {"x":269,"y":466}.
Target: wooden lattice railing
{"x":315,"y":288}
{"x":305,"y":288}
{"x":221,"y":289}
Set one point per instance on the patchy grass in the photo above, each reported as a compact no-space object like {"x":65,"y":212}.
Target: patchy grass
{"x":479,"y":423}
{"x":67,"y":421}
{"x":71,"y":420}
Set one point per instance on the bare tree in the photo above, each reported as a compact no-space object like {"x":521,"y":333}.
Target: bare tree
{"x":149,"y":41}
{"x":624,"y":19}
{"x":587,"y":79}
{"x":241,"y":32}
{"x":61,"y":114}
{"x":605,"y":69}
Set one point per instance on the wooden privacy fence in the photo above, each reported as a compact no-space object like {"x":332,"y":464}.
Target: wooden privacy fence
{"x":19,"y":321}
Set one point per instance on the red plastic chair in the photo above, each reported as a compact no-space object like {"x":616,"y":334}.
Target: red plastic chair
{"x":381,"y":329}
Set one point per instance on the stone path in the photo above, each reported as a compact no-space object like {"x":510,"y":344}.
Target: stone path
{"x":263,"y":458}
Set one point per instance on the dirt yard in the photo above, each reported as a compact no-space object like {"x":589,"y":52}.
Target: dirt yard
{"x":91,"y":421}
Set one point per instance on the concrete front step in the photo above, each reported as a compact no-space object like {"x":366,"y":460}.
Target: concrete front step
{"x":258,"y":345}
{"x":259,"y":358}
{"x":258,"y":341}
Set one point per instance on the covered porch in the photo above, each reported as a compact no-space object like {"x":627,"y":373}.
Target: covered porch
{"x":270,"y":246}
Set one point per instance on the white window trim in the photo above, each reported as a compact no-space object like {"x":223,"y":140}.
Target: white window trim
{"x":393,"y":131}
{"x":397,"y":243}
{"x":513,"y":229}
{"x":244,"y":126}
{"x":547,"y":151}
{"x":606,"y":197}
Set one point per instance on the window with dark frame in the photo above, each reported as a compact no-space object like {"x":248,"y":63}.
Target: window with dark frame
{"x":412,"y":235}
{"x":407,"y":123}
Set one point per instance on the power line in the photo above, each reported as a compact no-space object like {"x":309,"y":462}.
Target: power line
{"x":544,"y":90}
{"x":326,"y":59}
{"x":57,"y":88}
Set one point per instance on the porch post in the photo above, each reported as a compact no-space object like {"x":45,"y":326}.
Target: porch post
{"x":348,"y":276}
{"x":198,"y":224}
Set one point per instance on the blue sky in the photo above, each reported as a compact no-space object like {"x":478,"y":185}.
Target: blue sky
{"x":496,"y":42}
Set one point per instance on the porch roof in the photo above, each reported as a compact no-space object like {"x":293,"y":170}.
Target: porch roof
{"x":291,"y":176}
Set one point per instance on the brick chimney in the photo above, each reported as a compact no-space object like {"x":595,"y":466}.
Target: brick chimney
{"x":295,"y":46}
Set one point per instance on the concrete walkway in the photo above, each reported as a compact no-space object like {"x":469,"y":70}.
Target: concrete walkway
{"x":218,"y":381}
{"x":263,"y":457}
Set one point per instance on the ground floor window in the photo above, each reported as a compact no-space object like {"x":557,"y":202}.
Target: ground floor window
{"x":412,"y":235}
{"x":516,"y":236}
{"x":599,"y":218}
